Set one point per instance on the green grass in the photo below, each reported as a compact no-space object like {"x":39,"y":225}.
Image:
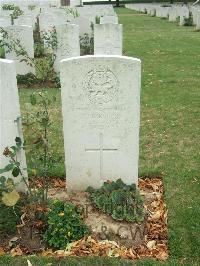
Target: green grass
{"x":170,"y":127}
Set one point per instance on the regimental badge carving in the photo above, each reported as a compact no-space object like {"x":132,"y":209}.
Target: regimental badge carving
{"x":101,"y":85}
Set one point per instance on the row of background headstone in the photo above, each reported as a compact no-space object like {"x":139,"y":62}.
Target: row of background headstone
{"x":103,"y":83}
{"x":170,"y":11}
{"x":107,"y":34}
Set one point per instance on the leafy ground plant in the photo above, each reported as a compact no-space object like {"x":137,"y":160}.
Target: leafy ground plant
{"x":123,"y":202}
{"x":64,"y":225}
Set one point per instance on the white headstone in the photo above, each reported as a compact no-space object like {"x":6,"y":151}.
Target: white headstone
{"x":109,"y":19}
{"x":198,"y":21}
{"x":75,"y":3}
{"x":48,"y":20}
{"x":10,"y":126}
{"x":23,"y":34}
{"x":101,"y":114}
{"x":108,"y":39}
{"x":5,"y":21}
{"x":173,"y":14}
{"x":182,"y":21}
{"x":84,"y":25}
{"x":25,"y":20}
{"x":68,"y":44}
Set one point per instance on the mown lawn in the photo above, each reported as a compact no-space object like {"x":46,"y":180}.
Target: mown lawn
{"x":170,"y":129}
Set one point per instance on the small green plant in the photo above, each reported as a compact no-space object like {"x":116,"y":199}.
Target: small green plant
{"x":42,"y":159}
{"x":9,"y":218}
{"x":38,"y":43}
{"x":87,"y":44}
{"x":64,"y":225}
{"x":31,"y":7}
{"x":97,"y":19}
{"x":50,"y":39}
{"x":27,"y":79}
{"x":71,"y":11}
{"x":38,"y":49}
{"x":8,"y":7}
{"x":123,"y":202}
{"x":16,"y":10}
{"x":9,"y":213}
{"x":39,"y":125}
{"x":10,"y":196}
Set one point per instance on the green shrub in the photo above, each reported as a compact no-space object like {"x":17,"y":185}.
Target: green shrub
{"x":38,"y":49}
{"x":97,"y":20}
{"x":56,"y":80}
{"x":9,"y":216}
{"x":8,"y":6}
{"x":16,"y":10}
{"x":27,"y":79}
{"x":8,"y":219}
{"x":123,"y":202}
{"x":188,"y":21}
{"x":166,"y":5}
{"x":64,"y":225}
{"x":87,"y":44}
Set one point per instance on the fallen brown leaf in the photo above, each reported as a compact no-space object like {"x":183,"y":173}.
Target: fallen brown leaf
{"x":47,"y":253}
{"x":2,"y":252}
{"x":16,"y":252}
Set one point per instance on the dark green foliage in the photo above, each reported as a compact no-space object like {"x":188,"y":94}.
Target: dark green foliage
{"x":123,"y":202}
{"x":38,"y":44}
{"x":2,"y":52}
{"x":64,"y":225}
{"x":56,"y":80}
{"x":38,"y":49}
{"x":188,"y":21}
{"x":27,"y":79}
{"x":165,"y":5}
{"x":97,"y":20}
{"x":16,"y":10}
{"x":87,"y":44}
{"x":9,"y":218}
{"x":8,"y":6}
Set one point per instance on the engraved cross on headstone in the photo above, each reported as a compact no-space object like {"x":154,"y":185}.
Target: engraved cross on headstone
{"x":101,"y":151}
